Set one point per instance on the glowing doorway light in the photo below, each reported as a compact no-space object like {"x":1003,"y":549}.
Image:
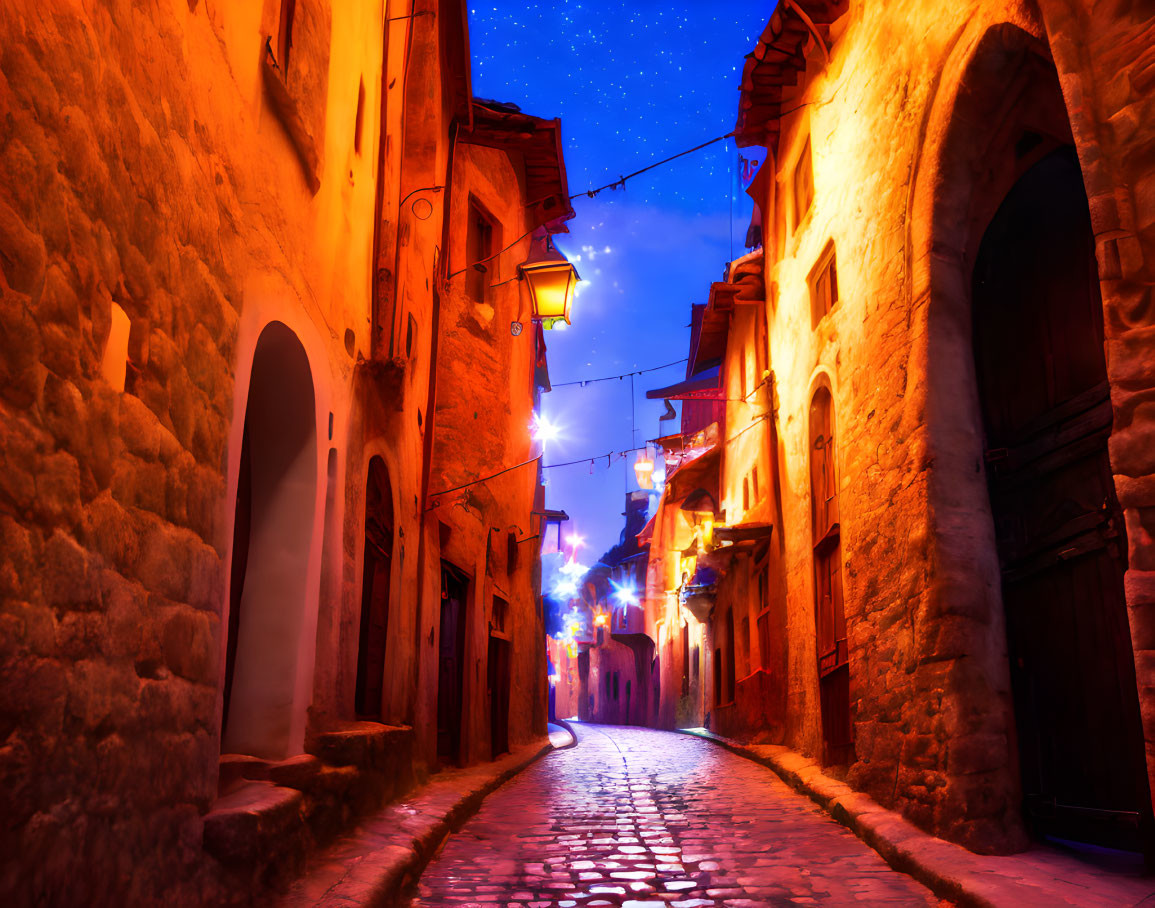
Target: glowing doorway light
{"x":574,"y":541}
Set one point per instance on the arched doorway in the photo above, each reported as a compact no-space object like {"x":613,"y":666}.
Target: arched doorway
{"x":1046,"y":414}
{"x":375,"y":585}
{"x":272,"y":536}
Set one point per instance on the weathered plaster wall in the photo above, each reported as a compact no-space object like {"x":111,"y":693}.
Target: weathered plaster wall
{"x":485,"y":393}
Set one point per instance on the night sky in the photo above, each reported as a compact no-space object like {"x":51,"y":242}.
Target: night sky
{"x":632,"y":83}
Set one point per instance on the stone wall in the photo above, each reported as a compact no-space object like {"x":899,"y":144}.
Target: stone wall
{"x":1107,"y":69}
{"x":896,"y":121}
{"x":147,"y":166}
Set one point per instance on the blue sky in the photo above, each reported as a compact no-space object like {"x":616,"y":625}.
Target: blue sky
{"x":632,"y":83}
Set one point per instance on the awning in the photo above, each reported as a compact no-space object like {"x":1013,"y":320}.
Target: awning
{"x":706,"y":385}
{"x":707,"y":338}
{"x":647,"y":533}
{"x":744,"y":532}
{"x":699,"y":473}
{"x":505,"y":127}
{"x":776,"y":65}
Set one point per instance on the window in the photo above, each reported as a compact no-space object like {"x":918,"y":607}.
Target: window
{"x":754,"y":483}
{"x":823,"y":286}
{"x":718,"y":677}
{"x":360,"y":117}
{"x":686,"y":659}
{"x":731,"y":656}
{"x":480,"y":244}
{"x":285,"y":34}
{"x":500,"y":610}
{"x":803,"y":185}
{"x":762,"y":581}
{"x":745,"y":494}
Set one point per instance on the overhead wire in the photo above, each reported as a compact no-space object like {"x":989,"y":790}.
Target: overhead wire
{"x":619,"y":183}
{"x":590,"y":381}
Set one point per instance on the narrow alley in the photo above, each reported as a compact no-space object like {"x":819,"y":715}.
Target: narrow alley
{"x":635,"y":817}
{"x":765,"y":389}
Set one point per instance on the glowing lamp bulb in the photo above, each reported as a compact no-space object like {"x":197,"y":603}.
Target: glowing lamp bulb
{"x":543,"y":430}
{"x":644,"y":470}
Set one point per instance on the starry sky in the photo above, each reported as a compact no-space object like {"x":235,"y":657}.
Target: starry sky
{"x":632,"y":82}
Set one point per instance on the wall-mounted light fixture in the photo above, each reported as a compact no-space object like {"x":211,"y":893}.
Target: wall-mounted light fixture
{"x":552,"y":281}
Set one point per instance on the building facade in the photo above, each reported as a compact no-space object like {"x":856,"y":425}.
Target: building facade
{"x":938,"y":585}
{"x":236,"y":250}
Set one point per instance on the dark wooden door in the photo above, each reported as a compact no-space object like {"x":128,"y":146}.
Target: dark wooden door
{"x":451,"y":664}
{"x":829,"y":611}
{"x":374,"y":628}
{"x":1038,"y":335}
{"x":498,"y":676}
{"x":242,"y":527}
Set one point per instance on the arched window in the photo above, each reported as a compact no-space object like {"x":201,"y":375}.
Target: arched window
{"x":829,"y":612}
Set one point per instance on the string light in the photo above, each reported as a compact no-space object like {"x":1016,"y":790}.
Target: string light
{"x":619,"y":183}
{"x":590,"y":381}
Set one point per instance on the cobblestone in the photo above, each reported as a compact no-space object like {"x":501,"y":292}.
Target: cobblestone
{"x":633,"y":817}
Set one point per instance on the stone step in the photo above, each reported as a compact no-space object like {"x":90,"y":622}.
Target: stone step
{"x":258,"y":828}
{"x":366,"y":745}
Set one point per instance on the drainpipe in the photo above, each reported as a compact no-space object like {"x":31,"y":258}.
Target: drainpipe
{"x":440,"y":270}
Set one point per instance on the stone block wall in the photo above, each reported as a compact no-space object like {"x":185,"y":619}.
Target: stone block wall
{"x":142,"y":171}
{"x":894,"y":190}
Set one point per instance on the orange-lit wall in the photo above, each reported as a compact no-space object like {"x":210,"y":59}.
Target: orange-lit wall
{"x":896,"y":121}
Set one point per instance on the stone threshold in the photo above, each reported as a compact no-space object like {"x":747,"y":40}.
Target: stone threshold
{"x":1038,"y":878}
{"x":387,"y":850}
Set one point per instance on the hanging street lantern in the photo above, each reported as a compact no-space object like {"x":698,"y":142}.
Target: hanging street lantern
{"x":644,"y":469}
{"x":552,"y":281}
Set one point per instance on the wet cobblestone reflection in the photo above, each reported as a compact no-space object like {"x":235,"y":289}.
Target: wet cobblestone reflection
{"x":634,"y":817}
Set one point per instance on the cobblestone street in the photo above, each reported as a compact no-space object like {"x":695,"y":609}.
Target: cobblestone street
{"x":637,"y":817}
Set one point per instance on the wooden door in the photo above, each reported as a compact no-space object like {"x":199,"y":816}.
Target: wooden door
{"x":829,"y":611}
{"x":498,"y":678}
{"x":451,"y":664}
{"x":375,"y":576}
{"x":242,"y":527}
{"x":1038,"y":335}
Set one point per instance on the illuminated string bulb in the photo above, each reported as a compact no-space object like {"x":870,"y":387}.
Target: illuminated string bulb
{"x":626,"y":594}
{"x":541,"y":429}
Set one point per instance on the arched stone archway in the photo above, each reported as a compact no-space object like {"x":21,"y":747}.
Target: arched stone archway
{"x":272,"y":539}
{"x":1002,"y":113}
